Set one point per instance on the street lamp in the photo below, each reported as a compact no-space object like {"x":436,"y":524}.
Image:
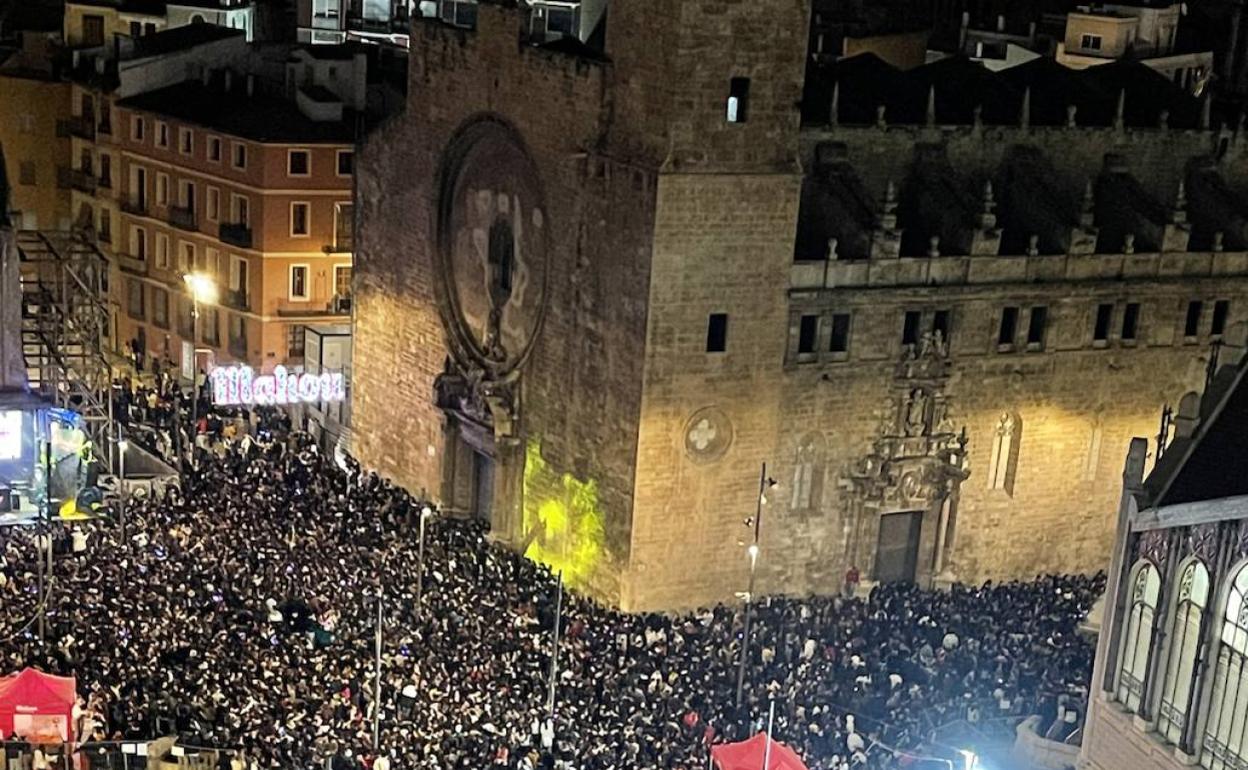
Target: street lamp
{"x":765,"y":483}
{"x":425,"y":513}
{"x":203,"y":289}
{"x":122,"y":446}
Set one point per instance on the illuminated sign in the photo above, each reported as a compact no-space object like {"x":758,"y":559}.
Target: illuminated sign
{"x":240,"y":385}
{"x":10,"y":435}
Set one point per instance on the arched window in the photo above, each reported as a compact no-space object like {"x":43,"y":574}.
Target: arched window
{"x":1226,"y":740}
{"x":1003,"y":463}
{"x":808,"y":474}
{"x":1176,"y":691}
{"x":1133,"y":662}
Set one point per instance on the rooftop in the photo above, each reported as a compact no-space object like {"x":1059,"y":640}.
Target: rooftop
{"x":144,"y":7}
{"x":261,"y":118}
{"x":864,"y":83}
{"x":181,"y":38}
{"x":1208,"y":464}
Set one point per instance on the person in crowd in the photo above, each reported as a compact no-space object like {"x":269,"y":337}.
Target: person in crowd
{"x":240,"y":612}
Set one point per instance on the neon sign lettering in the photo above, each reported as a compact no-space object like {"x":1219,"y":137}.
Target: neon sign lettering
{"x":235,"y":385}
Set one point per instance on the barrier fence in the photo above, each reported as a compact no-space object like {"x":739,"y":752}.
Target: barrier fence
{"x":157,"y":754}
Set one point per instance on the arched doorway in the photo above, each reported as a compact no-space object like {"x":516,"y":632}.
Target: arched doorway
{"x":469,"y":453}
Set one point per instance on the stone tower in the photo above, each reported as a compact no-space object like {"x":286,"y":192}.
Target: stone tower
{"x":545,"y":234}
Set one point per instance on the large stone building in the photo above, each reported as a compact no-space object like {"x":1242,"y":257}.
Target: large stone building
{"x":599,"y":290}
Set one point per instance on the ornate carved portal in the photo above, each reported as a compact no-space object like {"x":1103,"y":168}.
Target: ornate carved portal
{"x":916,"y":463}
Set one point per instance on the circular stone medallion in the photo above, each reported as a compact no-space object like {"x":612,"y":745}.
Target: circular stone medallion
{"x":493,"y":250}
{"x":708,"y":434}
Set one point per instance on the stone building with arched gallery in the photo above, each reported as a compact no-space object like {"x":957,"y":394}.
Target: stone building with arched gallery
{"x":597,"y":289}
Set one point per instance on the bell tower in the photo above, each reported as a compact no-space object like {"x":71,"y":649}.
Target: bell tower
{"x":707,"y":86}
{"x":707,"y":93}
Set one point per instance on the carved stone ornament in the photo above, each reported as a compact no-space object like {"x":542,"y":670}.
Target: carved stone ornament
{"x":925,"y":360}
{"x":1152,"y":546}
{"x":471,"y":396}
{"x":1202,"y":542}
{"x":1241,"y":539}
{"x":491,"y":271}
{"x":708,"y":434}
{"x":916,"y":457}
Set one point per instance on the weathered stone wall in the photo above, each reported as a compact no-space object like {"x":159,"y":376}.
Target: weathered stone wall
{"x":637,"y":456}
{"x":579,"y":391}
{"x":720,"y":248}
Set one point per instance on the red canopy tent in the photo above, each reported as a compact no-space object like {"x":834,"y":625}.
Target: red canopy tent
{"x":749,"y":754}
{"x":38,"y":706}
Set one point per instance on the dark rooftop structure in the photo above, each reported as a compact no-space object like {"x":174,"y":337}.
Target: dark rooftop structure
{"x":961,"y":88}
{"x":1207,"y":465}
{"x":259,"y":117}
{"x":181,"y":38}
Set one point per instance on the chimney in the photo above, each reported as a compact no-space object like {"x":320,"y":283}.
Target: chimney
{"x":1000,"y":22}
{"x":205,"y":74}
{"x":229,"y":80}
{"x":251,"y":85}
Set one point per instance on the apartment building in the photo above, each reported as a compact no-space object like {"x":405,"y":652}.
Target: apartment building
{"x":1102,"y":33}
{"x":92,"y":23}
{"x":34,"y":135}
{"x":249,"y":188}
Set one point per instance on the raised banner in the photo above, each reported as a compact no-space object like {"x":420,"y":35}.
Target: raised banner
{"x":240,"y":385}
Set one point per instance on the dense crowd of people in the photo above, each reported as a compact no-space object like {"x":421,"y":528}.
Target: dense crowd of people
{"x":240,"y":611}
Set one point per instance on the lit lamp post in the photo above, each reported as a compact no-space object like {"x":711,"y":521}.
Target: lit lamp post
{"x":764,"y":484}
{"x":202,"y":289}
{"x":122,"y":492}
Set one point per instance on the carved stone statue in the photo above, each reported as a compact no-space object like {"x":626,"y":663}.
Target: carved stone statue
{"x":916,"y":416}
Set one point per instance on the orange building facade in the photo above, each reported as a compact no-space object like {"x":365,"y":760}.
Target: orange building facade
{"x":270,"y":222}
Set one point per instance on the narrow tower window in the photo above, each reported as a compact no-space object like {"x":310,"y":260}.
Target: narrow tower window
{"x":738,"y":100}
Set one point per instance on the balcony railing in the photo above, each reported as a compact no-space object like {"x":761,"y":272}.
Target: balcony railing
{"x":236,"y":235}
{"x":79,"y":126}
{"x":134,"y":205}
{"x":182,"y":218}
{"x":77,"y":179}
{"x":132,"y":264}
{"x":338,"y":306}
{"x":342,"y":244}
{"x":235,"y":298}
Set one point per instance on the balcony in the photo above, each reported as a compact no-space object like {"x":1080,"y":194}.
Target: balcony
{"x":76,"y":179}
{"x":79,"y":126}
{"x":340,"y":305}
{"x":182,"y":218}
{"x":235,"y":235}
{"x":132,"y":265}
{"x":236,"y":299}
{"x":341,"y":245}
{"x":135,"y":205}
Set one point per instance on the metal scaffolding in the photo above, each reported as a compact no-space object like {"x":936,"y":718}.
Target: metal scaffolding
{"x":65,"y":322}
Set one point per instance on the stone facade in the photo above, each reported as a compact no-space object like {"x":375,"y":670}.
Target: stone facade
{"x":560,"y":381}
